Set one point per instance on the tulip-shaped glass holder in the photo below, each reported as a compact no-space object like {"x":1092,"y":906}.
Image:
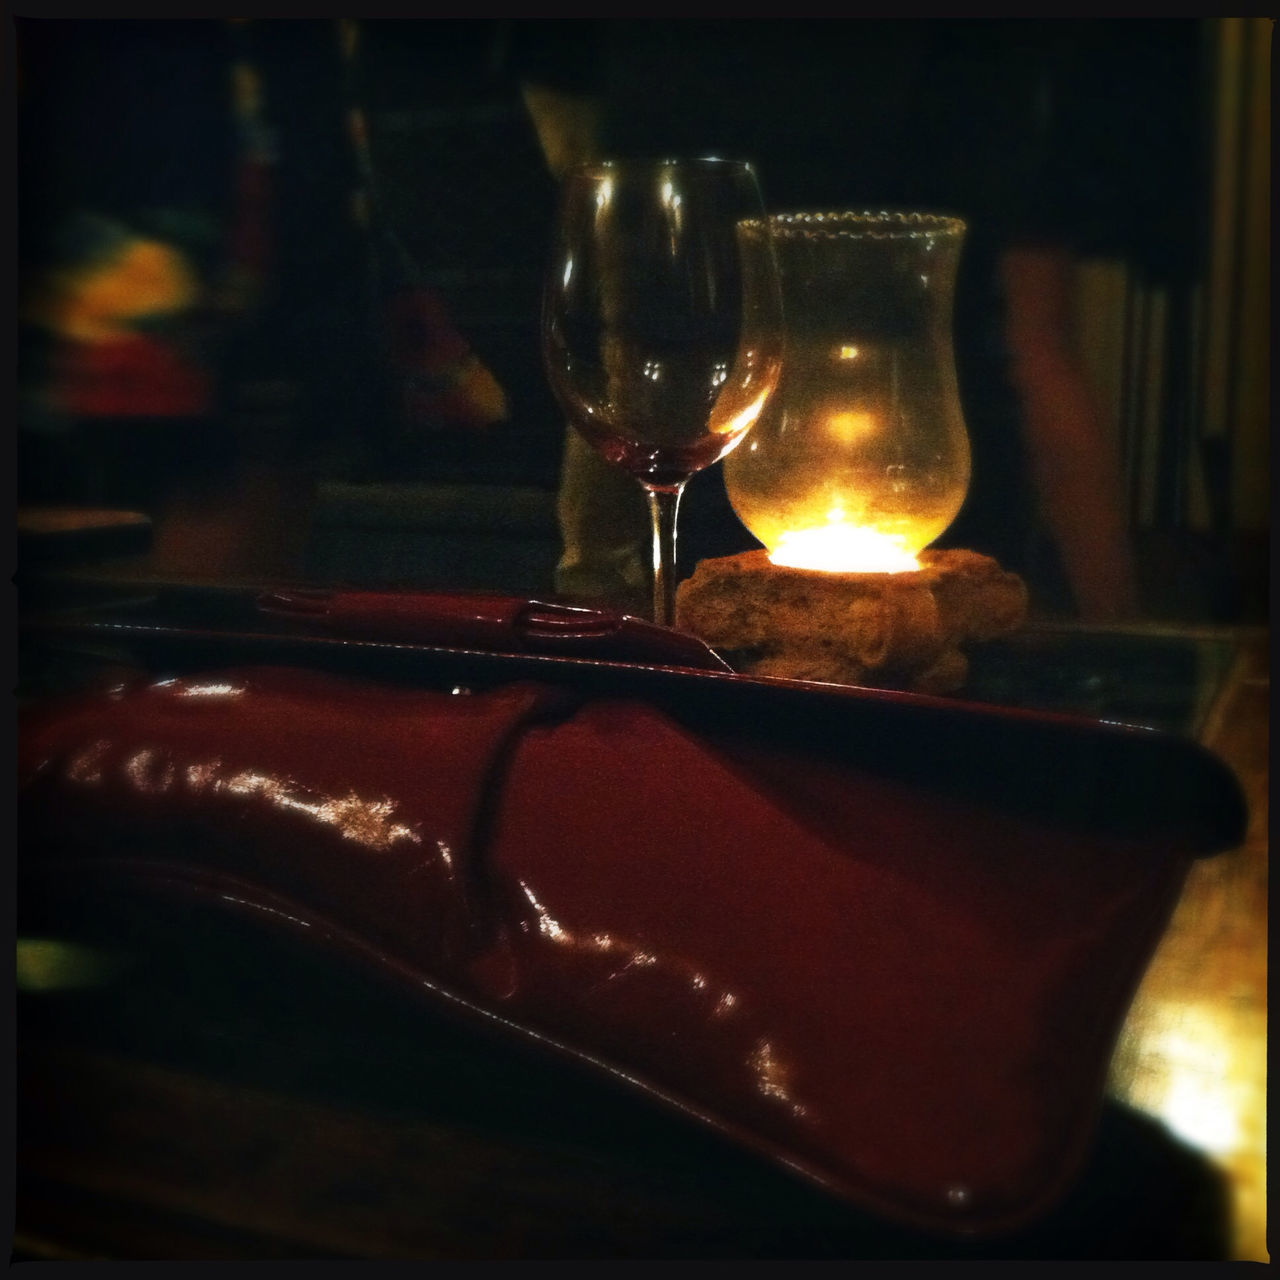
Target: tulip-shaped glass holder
{"x":860,"y":459}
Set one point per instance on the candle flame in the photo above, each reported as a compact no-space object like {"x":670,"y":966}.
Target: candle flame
{"x":841,"y":547}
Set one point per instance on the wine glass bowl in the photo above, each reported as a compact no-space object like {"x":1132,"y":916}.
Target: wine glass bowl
{"x":662,"y":323}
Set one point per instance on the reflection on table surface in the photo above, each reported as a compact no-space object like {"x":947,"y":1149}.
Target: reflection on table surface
{"x":1194,"y":1047}
{"x":1192,"y":1054}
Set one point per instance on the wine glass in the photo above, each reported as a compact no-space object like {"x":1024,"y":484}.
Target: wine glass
{"x":662,"y":323}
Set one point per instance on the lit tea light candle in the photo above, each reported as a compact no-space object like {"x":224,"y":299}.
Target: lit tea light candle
{"x":839,"y":546}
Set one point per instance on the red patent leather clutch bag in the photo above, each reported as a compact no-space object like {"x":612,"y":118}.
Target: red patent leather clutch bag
{"x":885,"y":940}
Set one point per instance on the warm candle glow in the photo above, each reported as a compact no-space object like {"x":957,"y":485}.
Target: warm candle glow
{"x":842,"y":547}
{"x":860,"y":460}
{"x":847,"y":427}
{"x":842,"y":517}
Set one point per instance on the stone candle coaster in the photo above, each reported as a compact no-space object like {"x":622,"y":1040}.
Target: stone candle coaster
{"x":892,"y":630}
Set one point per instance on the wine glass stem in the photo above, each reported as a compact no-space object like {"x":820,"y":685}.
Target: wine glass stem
{"x":664,"y":504}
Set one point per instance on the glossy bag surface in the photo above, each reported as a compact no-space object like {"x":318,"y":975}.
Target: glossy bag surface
{"x":899,"y":979}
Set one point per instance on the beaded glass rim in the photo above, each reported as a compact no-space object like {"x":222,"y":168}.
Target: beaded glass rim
{"x":885,"y":224}
{"x":644,"y":165}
